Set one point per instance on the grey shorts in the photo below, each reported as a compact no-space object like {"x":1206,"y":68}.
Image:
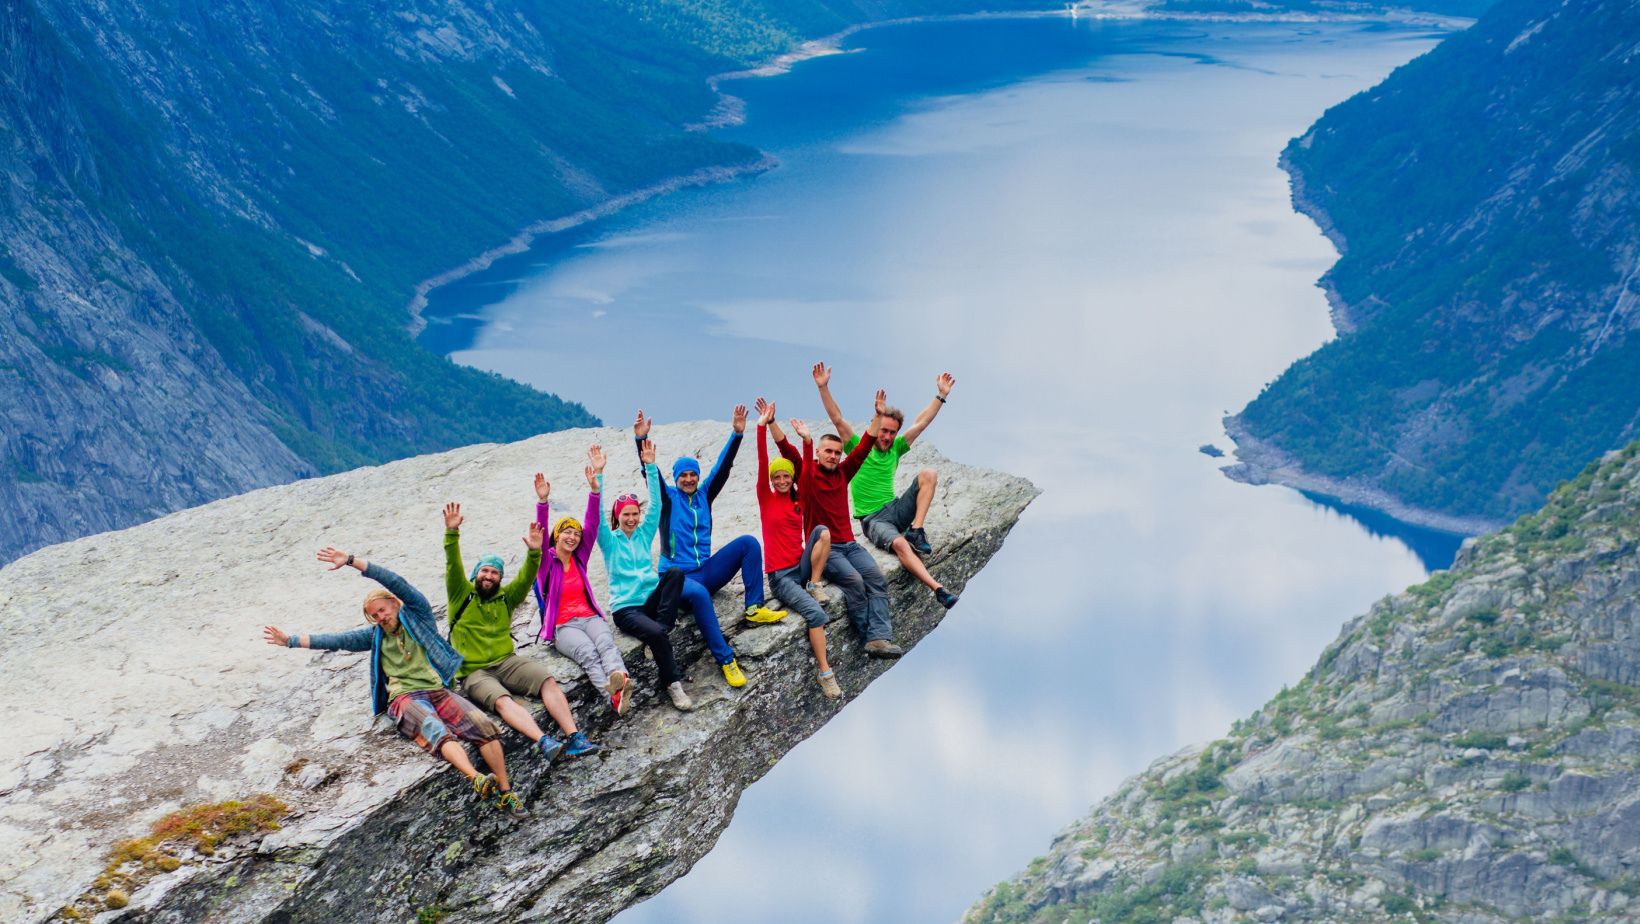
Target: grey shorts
{"x":886,"y":525}
{"x":515,"y":676}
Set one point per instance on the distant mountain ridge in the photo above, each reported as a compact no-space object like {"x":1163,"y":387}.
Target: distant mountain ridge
{"x":1484,"y":199}
{"x":1464,"y":753}
{"x":215,"y":215}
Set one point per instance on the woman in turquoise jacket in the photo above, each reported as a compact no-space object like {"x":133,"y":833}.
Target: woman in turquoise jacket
{"x":645,"y":604}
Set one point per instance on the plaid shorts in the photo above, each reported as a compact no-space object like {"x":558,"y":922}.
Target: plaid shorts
{"x":428,"y":716}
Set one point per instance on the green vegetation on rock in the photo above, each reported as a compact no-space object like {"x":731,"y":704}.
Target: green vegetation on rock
{"x":1483,"y":201}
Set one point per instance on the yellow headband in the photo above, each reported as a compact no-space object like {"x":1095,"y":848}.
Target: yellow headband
{"x":563,"y":524}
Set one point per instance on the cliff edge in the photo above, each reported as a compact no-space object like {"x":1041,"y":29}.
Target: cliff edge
{"x":145,"y":688}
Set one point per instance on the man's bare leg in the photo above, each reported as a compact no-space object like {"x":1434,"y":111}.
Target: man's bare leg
{"x":452,"y":751}
{"x":495,"y":760}
{"x":927,"y":480}
{"x":557,"y":706}
{"x":518,"y":718}
{"x":817,"y":641}
{"x":913,"y":564}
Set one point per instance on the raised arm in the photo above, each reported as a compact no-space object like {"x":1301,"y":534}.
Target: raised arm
{"x":595,"y":474}
{"x":822,"y":381}
{"x":726,"y":456}
{"x":652,"y":480}
{"x":942,"y":390}
{"x":543,"y":493}
{"x":352,"y":640}
{"x":765,"y":419}
{"x":857,"y":457}
{"x":519,"y":587}
{"x":456,"y":584}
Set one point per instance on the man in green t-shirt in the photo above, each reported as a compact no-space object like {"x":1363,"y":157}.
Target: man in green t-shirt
{"x":492,"y":672}
{"x":893,"y":522}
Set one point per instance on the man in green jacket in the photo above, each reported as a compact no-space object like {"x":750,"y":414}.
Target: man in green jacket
{"x":492,"y":672}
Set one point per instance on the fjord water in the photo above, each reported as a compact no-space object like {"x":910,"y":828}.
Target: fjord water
{"x":1084,"y":222}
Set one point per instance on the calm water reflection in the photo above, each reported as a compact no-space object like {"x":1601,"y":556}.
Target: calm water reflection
{"x":1084,"y":222}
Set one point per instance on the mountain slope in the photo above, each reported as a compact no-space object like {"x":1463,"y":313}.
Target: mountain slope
{"x":1465,"y":752}
{"x":215,"y":214}
{"x":1483,"y":198}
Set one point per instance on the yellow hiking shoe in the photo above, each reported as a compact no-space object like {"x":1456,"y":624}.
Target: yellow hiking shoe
{"x":732,"y":673}
{"x":764,"y":614}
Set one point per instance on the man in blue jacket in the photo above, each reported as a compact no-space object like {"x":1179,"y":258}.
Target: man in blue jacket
{"x":686,"y":544}
{"x":411,"y":668}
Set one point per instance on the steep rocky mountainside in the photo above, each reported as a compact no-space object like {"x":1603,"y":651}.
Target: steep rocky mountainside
{"x":143,"y":686}
{"x":1483,"y":198}
{"x":1465,"y":752}
{"x":214,"y":215}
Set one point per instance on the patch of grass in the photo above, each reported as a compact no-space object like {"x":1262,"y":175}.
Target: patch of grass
{"x":201,"y":828}
{"x":1489,"y":741}
{"x":1515,"y":782}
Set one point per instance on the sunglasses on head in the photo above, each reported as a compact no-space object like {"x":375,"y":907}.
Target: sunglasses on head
{"x":626,"y":497}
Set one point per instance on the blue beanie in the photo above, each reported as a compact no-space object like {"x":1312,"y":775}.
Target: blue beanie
{"x":493,"y":560}
{"x":685,"y":464}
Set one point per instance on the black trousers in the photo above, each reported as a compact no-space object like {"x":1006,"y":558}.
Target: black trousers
{"x":652,"y":622}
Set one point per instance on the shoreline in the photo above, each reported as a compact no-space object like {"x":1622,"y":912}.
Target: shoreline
{"x":730,"y":111}
{"x":1261,"y":463}
{"x":521,"y":241}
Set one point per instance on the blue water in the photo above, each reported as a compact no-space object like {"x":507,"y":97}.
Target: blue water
{"x":1084,"y":222}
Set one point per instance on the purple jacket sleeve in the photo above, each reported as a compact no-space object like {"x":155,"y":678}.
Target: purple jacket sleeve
{"x":589,"y":528}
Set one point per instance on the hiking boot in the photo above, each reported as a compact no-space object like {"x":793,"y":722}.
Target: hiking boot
{"x":617,"y":682}
{"x":761,"y":614}
{"x":918,"y":540}
{"x":828,"y":685}
{"x":550,"y":748}
{"x":733,"y":674}
{"x":817,"y":590}
{"x":486,"y":786}
{"x":947,"y":598}
{"x":578,"y":744}
{"x":512,"y":805}
{"x":621,"y":701}
{"x":680,"y":699}
{"x":883,"y":648}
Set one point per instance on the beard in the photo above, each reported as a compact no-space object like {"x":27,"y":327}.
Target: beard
{"x":486,"y":586}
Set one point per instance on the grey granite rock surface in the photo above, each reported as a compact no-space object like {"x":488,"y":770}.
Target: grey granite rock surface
{"x":141,"y":684}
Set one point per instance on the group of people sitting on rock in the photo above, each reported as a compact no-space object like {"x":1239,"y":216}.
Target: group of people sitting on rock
{"x":803,"y":505}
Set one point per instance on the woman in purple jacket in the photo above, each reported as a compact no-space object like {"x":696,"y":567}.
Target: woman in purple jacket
{"x":570,"y":616}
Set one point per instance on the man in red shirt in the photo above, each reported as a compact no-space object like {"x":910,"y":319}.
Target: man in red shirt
{"x":849,"y":564}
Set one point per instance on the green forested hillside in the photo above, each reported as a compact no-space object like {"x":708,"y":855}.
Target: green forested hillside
{"x":1485,"y":200}
{"x":216,"y":213}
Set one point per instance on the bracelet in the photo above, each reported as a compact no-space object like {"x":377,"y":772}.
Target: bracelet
{"x":939,"y":398}
{"x":348,"y":562}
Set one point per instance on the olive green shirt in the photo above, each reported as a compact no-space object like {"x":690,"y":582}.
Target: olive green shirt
{"x":405,"y":664}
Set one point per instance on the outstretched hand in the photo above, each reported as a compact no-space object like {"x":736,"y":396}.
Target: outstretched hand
{"x":640,"y":427}
{"x":880,"y":403}
{"x":801,"y":429}
{"x":943,"y":383}
{"x":647,"y":453}
{"x":739,"y":419}
{"x":533,"y":537}
{"x":543,"y":488}
{"x":335,"y":558}
{"x":596,"y":458}
{"x":765,"y":412}
{"x":274,"y":636}
{"x":822,"y":375}
{"x":452,"y":516}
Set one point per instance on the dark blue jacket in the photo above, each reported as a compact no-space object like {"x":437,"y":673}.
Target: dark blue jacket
{"x":415,"y":617}
{"x":686,"y":519}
